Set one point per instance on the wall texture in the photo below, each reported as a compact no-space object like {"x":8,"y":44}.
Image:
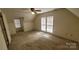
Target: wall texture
{"x":28,"y":22}
{"x":66,"y":24}
{"x":2,"y":41}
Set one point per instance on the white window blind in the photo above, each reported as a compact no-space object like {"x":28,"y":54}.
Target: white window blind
{"x":50,"y":24}
{"x":47,"y":24}
{"x":17,"y":23}
{"x":43,"y":23}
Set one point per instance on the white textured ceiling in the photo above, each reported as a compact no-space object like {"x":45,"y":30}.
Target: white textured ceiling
{"x":75,"y":11}
{"x":27,"y":10}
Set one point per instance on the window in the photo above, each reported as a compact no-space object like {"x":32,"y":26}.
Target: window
{"x":43,"y":24}
{"x":50,"y":24}
{"x":17,"y":23}
{"x":47,"y":24}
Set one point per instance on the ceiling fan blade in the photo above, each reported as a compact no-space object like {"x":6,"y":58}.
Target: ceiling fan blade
{"x":33,"y":10}
{"x":38,"y":10}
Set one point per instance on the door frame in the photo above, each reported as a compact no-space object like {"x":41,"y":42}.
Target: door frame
{"x":4,"y":30}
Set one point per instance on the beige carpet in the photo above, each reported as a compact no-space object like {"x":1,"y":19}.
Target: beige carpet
{"x":40,"y":41}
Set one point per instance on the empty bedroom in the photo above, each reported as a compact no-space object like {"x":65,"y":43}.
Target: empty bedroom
{"x":39,"y":29}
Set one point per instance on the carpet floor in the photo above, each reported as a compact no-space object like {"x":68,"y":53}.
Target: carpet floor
{"x":40,"y":41}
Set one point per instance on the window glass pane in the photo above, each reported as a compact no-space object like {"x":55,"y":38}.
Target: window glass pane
{"x":43,"y":28}
{"x":50,"y":20}
{"x":50,"y":29}
{"x":50,"y":24}
{"x":17,"y":23}
{"x":43,"y":23}
{"x":43,"y":20}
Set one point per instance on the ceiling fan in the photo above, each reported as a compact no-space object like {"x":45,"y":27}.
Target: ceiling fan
{"x":35,"y":11}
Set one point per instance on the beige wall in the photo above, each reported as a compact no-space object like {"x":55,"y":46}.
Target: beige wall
{"x":28,"y":21}
{"x":11,"y":14}
{"x":2,"y":41}
{"x":66,"y":24}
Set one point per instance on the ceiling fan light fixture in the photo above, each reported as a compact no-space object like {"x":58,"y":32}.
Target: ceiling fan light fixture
{"x":33,"y":13}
